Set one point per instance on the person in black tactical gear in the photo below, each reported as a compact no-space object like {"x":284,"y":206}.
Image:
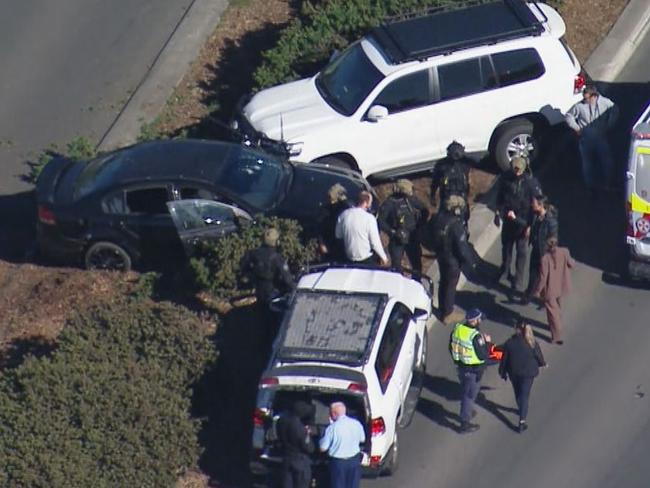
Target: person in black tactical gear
{"x":451,"y":176}
{"x":330,"y":247}
{"x":452,"y":252}
{"x":267,"y":270}
{"x":401,"y":216}
{"x":545,"y":225}
{"x":514,"y":206}
{"x":297,"y":445}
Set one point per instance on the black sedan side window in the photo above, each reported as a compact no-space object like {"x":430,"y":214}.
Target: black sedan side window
{"x":147,"y":200}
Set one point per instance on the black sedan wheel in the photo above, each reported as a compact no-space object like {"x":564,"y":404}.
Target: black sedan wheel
{"x":108,"y":256}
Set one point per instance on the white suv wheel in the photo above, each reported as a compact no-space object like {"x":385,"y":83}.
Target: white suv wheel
{"x":515,"y":138}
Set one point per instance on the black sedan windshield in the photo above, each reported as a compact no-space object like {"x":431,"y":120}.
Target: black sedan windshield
{"x":256,"y":178}
{"x":348,"y":79}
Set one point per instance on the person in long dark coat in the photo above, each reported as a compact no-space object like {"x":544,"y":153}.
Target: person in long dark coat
{"x":522,"y":358}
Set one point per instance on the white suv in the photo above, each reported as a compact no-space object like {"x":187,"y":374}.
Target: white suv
{"x":491,"y":76}
{"x":350,"y":334}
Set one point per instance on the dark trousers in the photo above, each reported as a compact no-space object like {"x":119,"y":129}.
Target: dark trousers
{"x":345,"y":473}
{"x":413,"y":252}
{"x":598,"y":167}
{"x":296,"y":473}
{"x":513,"y":239}
{"x":533,"y":271}
{"x":470,"y":384}
{"x":522,"y":386}
{"x":449,"y":276}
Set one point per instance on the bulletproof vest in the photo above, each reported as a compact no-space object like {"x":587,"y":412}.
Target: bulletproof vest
{"x":263,"y":266}
{"x":454,"y":182}
{"x":405,"y":215}
{"x":519,"y":193}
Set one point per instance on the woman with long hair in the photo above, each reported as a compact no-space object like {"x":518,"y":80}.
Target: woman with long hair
{"x":553,"y":284}
{"x":522,"y":358}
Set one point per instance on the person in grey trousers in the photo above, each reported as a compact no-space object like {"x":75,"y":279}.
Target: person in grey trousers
{"x":592,"y":119}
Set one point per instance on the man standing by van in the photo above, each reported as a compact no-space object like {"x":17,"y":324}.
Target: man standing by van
{"x":592,"y":119}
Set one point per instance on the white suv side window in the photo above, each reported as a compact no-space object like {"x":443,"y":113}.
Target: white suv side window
{"x":465,"y":78}
{"x":405,"y":93}
{"x":518,"y":66}
{"x":391,"y":344}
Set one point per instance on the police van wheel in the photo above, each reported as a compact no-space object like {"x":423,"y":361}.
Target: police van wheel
{"x":515,"y":138}
{"x":393,"y":459}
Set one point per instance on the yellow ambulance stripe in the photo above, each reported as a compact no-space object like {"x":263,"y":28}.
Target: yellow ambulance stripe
{"x":643,"y":150}
{"x":638,"y":204}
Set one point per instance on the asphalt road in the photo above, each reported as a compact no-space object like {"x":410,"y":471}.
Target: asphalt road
{"x":590,"y":411}
{"x":67,"y":69}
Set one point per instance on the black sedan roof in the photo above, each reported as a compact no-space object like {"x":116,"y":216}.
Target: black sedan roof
{"x":187,"y":158}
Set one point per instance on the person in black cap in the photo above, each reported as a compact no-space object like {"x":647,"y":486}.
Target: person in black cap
{"x":331,"y":248}
{"x":451,"y":176}
{"x":469,"y":351}
{"x":297,"y":445}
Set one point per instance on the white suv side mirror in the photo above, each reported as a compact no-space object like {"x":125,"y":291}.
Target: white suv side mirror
{"x":377,"y":113}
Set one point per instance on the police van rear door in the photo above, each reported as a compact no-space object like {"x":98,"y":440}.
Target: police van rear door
{"x":638,"y":187}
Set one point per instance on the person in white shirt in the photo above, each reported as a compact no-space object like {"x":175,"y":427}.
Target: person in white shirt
{"x":358,"y":229}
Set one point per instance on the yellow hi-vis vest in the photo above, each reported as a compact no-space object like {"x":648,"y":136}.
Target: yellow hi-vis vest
{"x":462,"y":347}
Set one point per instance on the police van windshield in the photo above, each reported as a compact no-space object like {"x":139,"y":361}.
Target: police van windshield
{"x":346,"y":82}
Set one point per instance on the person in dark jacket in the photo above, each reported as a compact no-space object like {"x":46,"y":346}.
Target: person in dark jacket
{"x":522,"y":358}
{"x":267,"y":270}
{"x":545,"y":225}
{"x":452,"y":252}
{"x":401,"y":217}
{"x":451,"y":176}
{"x":297,"y":445}
{"x":514,"y":207}
{"x":330,"y":247}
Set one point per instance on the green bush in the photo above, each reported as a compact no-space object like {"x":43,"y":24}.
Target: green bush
{"x":78,"y":149}
{"x":216,"y":268}
{"x":308,"y":42}
{"x":110,"y":406}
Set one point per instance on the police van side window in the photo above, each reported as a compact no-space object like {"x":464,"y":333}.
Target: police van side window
{"x":391,"y":343}
{"x":465,"y":78}
{"x":405,"y":93}
{"x":518,"y":66}
{"x":642,"y":176}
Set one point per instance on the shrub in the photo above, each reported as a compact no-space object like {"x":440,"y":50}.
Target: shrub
{"x":78,"y":149}
{"x":216,"y":268}
{"x":308,"y":42}
{"x":110,"y":406}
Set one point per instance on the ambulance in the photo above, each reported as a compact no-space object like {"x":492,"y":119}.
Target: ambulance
{"x":637,"y":195}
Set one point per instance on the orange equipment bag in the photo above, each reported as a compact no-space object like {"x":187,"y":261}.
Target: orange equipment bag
{"x":496,"y":352}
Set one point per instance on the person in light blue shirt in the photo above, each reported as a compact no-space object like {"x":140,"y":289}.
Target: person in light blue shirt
{"x":341,"y":441}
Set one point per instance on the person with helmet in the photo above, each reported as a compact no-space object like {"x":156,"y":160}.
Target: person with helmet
{"x":331,"y":248}
{"x":452,"y":252}
{"x":469,"y":351}
{"x":451,"y":176}
{"x":267,"y":270}
{"x":401,"y":216}
{"x":514,"y":206}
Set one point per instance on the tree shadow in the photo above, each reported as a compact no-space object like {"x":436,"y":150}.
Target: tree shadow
{"x":18,"y":227}
{"x":18,"y":349}
{"x":231,"y":79}
{"x":225,"y":396}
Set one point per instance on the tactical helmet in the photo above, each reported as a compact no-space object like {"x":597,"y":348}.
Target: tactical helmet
{"x":455,"y":204}
{"x":456,"y":151}
{"x":404,"y":186}
{"x":520,"y":163}
{"x":271,"y":237}
{"x":337,"y":193}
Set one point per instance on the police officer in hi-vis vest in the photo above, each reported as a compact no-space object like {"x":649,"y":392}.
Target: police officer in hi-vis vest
{"x":469,"y":350}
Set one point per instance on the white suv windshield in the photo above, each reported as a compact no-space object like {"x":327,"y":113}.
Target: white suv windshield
{"x":346,"y":82}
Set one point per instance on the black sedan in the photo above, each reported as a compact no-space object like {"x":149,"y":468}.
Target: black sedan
{"x":119,"y":209}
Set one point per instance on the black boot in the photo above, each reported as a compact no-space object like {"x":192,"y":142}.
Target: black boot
{"x":467,"y":428}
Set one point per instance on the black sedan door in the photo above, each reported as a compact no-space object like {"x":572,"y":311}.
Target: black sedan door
{"x":200,"y":220}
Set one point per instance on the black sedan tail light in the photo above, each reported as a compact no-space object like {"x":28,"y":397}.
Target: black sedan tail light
{"x":46,"y":215}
